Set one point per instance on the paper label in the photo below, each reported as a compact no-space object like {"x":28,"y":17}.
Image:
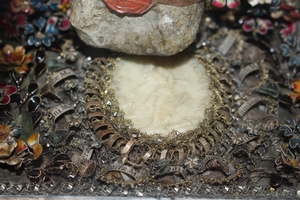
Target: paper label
{"x":87,"y":153}
{"x":126,"y":169}
{"x":60,"y":109}
{"x":247,"y":105}
{"x":58,"y":76}
{"x":245,"y":71}
{"x":227,"y":44}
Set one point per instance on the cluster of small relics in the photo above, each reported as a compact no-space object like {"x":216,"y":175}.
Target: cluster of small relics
{"x":62,"y":131}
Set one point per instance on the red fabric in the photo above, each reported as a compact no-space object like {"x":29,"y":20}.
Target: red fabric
{"x":129,"y":6}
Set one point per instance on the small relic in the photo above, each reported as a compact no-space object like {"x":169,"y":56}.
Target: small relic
{"x":138,"y":27}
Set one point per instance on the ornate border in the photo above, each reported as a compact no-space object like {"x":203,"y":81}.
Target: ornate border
{"x":204,"y":154}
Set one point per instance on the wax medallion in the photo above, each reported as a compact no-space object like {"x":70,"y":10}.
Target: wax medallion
{"x":141,"y":6}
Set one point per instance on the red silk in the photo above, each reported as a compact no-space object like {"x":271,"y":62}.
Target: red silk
{"x":129,"y":6}
{"x":141,"y":6}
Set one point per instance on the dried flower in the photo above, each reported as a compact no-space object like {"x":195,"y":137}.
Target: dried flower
{"x":257,"y":25}
{"x":255,"y":2}
{"x":295,"y":94}
{"x":17,"y":6}
{"x":65,"y":5}
{"x":33,"y":143}
{"x":5,"y":92}
{"x":16,"y":57}
{"x":287,"y":30}
{"x":21,"y":151}
{"x":9,"y":55}
{"x":291,"y":130}
{"x":287,"y":12}
{"x":222,"y":3}
{"x":291,"y":50}
{"x":192,"y":162}
{"x":8,"y":143}
{"x":7,"y":140}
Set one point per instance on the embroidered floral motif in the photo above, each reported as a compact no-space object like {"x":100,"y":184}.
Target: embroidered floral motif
{"x":5,"y":92}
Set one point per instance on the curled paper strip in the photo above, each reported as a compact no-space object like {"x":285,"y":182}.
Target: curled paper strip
{"x":125,"y":169}
{"x":61,"y":109}
{"x":227,"y":44}
{"x":248,"y":105}
{"x":60,"y":75}
{"x":245,"y":72}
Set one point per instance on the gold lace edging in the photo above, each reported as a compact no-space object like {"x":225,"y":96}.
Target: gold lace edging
{"x":152,"y":158}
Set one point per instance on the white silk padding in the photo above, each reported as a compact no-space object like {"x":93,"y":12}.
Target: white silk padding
{"x":161,"y":94}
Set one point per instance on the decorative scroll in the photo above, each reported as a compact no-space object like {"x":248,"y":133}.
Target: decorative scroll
{"x":60,"y":75}
{"x":227,"y":44}
{"x":87,"y":153}
{"x":125,"y":169}
{"x":248,"y":105}
{"x":245,"y":71}
{"x":61,"y":109}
